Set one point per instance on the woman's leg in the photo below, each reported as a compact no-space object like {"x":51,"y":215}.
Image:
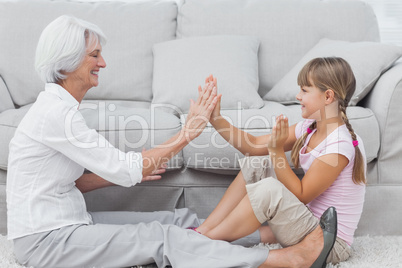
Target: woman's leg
{"x":104,"y":245}
{"x":233,"y":195}
{"x":182,"y":217}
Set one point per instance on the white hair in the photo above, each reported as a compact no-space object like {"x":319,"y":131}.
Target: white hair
{"x":62,"y":47}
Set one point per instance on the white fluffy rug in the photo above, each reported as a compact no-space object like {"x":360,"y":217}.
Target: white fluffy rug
{"x":368,"y":252}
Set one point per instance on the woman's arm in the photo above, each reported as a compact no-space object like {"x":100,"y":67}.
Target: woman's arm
{"x":90,"y":181}
{"x":154,"y":160}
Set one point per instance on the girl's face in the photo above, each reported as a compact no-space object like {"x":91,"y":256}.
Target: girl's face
{"x":312,"y":101}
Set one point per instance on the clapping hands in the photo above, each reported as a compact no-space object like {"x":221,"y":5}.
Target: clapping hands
{"x":201,"y":110}
{"x":210,"y":80}
{"x":279,"y":135}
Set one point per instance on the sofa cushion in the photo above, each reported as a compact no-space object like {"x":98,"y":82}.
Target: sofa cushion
{"x":9,"y":121}
{"x":123,"y":124}
{"x":210,"y":152}
{"x":367,"y":59}
{"x":285,"y":34}
{"x":5,"y":101}
{"x":180,"y":66}
{"x":132,"y":28}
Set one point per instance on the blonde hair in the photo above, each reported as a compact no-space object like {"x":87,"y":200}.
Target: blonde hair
{"x":336,"y":74}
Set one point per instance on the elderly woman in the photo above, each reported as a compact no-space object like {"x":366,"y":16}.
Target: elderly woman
{"x":47,"y":217}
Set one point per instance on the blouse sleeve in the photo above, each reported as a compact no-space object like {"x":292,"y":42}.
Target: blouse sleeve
{"x":66,"y":131}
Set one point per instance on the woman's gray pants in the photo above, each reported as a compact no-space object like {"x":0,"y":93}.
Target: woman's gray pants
{"x":124,"y":239}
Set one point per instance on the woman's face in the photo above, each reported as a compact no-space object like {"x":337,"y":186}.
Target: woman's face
{"x":88,"y":72}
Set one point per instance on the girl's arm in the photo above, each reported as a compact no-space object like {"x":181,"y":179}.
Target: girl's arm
{"x":322,"y":173}
{"x":243,"y":141}
{"x":247,"y":143}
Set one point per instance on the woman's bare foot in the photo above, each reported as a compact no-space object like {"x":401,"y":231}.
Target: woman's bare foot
{"x":300,"y":255}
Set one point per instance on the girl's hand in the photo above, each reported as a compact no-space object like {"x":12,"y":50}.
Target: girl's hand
{"x":279,"y":135}
{"x":211,"y":81}
{"x":200,"y":111}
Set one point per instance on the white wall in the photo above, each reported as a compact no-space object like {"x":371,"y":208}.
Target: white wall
{"x":389,"y":15}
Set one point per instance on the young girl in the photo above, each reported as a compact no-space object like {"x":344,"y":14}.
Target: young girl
{"x":324,"y":145}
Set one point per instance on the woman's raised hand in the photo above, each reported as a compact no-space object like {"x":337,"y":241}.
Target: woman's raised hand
{"x":212,"y":81}
{"x":201,"y":110}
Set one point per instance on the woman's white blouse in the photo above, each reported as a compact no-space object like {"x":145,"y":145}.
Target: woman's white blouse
{"x":49,"y":151}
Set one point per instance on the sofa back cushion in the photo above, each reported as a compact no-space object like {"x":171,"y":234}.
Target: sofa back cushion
{"x":287,"y":29}
{"x":180,"y":66}
{"x":132,"y":28}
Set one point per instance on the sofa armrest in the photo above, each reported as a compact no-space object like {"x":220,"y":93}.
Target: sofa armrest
{"x":385,"y":101}
{"x":5,"y":99}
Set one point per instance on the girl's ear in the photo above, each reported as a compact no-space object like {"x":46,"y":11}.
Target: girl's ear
{"x":329,"y":96}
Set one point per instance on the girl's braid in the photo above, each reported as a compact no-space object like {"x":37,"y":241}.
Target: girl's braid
{"x":342,"y":107}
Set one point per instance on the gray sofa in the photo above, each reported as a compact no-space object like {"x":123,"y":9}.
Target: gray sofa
{"x":158,"y":52}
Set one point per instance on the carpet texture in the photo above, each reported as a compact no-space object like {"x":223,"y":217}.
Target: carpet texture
{"x":368,"y":252}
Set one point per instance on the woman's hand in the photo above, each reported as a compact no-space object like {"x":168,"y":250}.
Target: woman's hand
{"x":279,"y":135}
{"x":200,"y":111}
{"x":212,"y":81}
{"x":155,"y":175}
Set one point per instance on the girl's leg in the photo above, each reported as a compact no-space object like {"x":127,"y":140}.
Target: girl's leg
{"x":239,"y":223}
{"x":266,"y":235}
{"x":268,"y":200}
{"x":253,"y":169}
{"x":289,"y":219}
{"x":300,"y":255}
{"x":233,"y":195}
